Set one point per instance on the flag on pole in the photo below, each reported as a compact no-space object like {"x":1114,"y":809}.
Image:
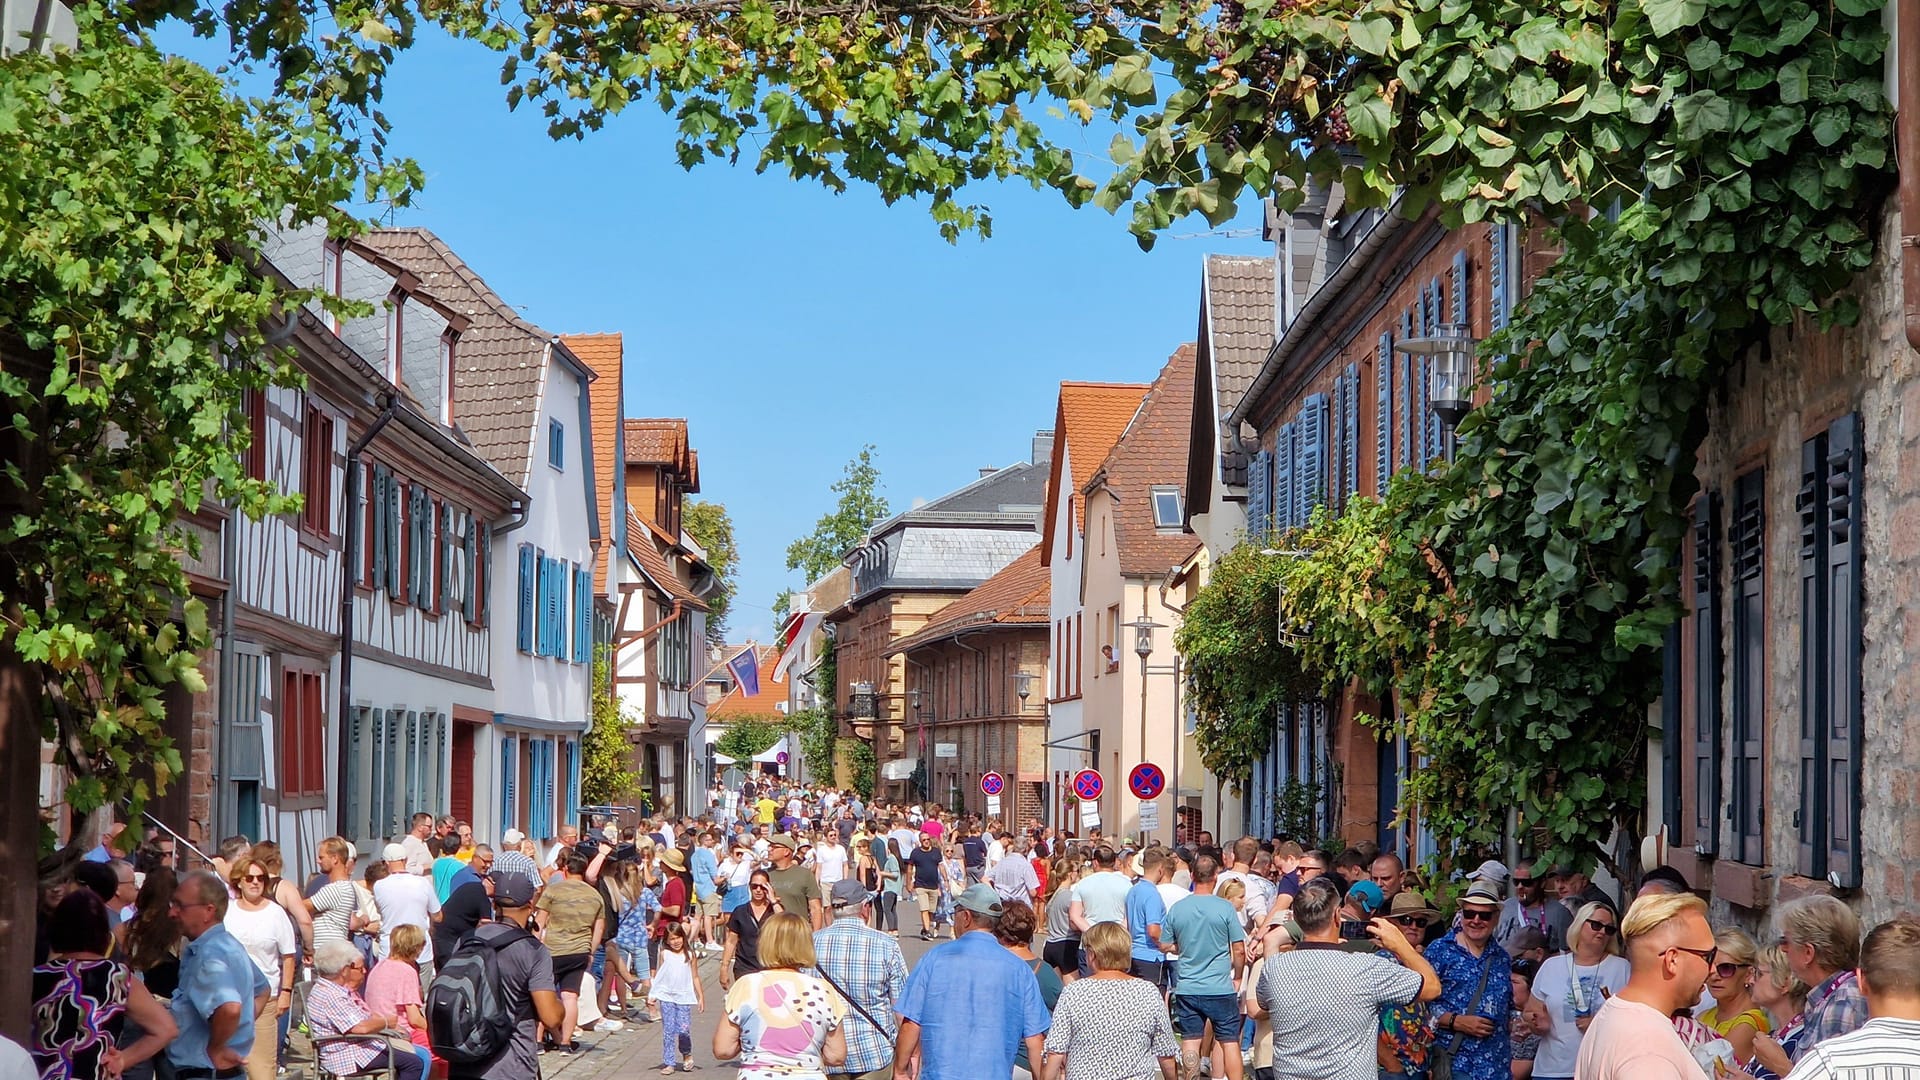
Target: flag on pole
{"x":745,"y":666}
{"x":793,"y":638}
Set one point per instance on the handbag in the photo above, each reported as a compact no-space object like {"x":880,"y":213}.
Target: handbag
{"x":1440,"y":1066}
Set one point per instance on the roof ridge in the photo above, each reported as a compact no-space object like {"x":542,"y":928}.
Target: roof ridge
{"x":1104,"y":385}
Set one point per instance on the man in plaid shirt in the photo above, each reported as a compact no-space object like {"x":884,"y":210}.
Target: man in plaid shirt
{"x":866,"y":966}
{"x":1821,"y":936}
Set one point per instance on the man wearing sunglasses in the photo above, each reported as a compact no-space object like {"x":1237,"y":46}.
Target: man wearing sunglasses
{"x":1476,"y":989}
{"x":1670,"y":947}
{"x":1530,"y":907}
{"x":220,"y":986}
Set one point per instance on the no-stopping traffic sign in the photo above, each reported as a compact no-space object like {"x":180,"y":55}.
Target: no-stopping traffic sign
{"x":992,"y":783}
{"x":1146,"y":781}
{"x":1088,"y":785}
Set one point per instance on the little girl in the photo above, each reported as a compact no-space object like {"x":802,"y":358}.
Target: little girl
{"x":676,"y":989}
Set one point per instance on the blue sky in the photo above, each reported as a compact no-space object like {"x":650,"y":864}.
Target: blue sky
{"x":790,"y":326}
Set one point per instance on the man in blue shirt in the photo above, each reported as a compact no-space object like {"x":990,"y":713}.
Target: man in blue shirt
{"x":970,"y":1003}
{"x":220,"y":985}
{"x":1213,"y":953}
{"x":1146,"y":911}
{"x":704,"y":865}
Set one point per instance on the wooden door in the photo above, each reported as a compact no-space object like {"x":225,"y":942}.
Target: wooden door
{"x":460,"y":772}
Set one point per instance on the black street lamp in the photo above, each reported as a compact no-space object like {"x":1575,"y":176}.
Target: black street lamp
{"x":1450,"y":377}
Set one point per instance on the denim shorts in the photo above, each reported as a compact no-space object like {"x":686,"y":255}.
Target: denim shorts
{"x":1191,"y":1014}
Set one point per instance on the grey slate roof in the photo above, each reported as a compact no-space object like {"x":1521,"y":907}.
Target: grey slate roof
{"x":498,"y":359}
{"x":1239,"y":332}
{"x":958,"y":540}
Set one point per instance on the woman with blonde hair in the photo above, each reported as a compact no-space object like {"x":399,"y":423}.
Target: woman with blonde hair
{"x":263,"y":927}
{"x":1062,"y":949}
{"x":1776,"y":990}
{"x":393,"y":989}
{"x":780,"y":1022}
{"x":1734,"y":1016}
{"x":1570,"y":988}
{"x":1110,"y":1025}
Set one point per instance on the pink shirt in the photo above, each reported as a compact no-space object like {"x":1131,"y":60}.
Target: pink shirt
{"x":391,"y":986}
{"x":932,"y":828}
{"x":1631,"y":1041}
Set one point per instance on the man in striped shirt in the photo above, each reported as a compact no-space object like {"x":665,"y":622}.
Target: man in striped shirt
{"x":1886,"y":1047}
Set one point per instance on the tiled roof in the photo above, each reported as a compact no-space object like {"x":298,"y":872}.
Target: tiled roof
{"x":1153,"y":452}
{"x":500,"y":358}
{"x":1238,"y":293}
{"x":1090,"y":418}
{"x":1016,"y":596}
{"x":658,"y":565}
{"x":657,"y":441}
{"x":604,"y":354}
{"x":738,"y":706}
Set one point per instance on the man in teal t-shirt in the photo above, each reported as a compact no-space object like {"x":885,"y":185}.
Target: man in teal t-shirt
{"x":1213,"y":951}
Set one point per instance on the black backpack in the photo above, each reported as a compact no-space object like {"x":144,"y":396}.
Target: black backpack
{"x":467,"y":1016}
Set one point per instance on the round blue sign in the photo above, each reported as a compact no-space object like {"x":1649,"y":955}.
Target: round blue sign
{"x":993,"y":783}
{"x":1087,"y":784}
{"x":1146,"y":781}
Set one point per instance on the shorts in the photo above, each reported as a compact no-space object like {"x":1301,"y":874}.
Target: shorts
{"x":1191,"y":1014}
{"x":1062,"y":956}
{"x":926,"y":899}
{"x":1154,"y":971}
{"x":710,"y":905}
{"x":568,"y":970}
{"x":636,"y":962}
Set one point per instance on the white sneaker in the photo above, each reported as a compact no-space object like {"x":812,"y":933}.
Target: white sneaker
{"x":609,"y":1024}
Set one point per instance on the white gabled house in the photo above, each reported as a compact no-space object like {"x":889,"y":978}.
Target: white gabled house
{"x":521,"y":396}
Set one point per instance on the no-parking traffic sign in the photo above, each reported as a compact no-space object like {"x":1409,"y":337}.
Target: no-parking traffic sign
{"x":992,"y":784}
{"x":1146,"y":781}
{"x":1088,"y":785}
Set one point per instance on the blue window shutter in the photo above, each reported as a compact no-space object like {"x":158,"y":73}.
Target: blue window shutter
{"x":1436,"y":431}
{"x":1408,"y":402}
{"x":1257,"y":472}
{"x":1499,"y":289}
{"x":1313,"y":455}
{"x":1383,"y":415}
{"x":446,"y":557}
{"x":483,"y":572}
{"x":470,"y":543}
{"x":391,"y":508}
{"x":527,"y":590}
{"x":1283,"y":460}
{"x":582,"y":615}
{"x":1336,"y":439}
{"x":377,"y":506}
{"x":508,"y":775}
{"x":560,"y":586}
{"x":1350,"y":436}
{"x":1459,"y":314}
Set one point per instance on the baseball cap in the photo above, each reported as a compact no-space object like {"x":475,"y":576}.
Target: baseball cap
{"x":511,"y":889}
{"x":1492,"y":870}
{"x":848,"y":892}
{"x":1367,"y":896}
{"x":512,"y":837}
{"x":393,"y":853}
{"x":981,"y":898}
{"x":784,"y":840}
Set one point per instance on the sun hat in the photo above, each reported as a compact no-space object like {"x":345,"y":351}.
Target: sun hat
{"x":673,"y":859}
{"x":1482,"y":893}
{"x":1408,"y":902}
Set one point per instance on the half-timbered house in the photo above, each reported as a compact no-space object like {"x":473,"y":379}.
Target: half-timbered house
{"x":521,"y":396}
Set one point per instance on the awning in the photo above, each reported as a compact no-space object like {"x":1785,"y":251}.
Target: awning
{"x":722,"y":759}
{"x":771,"y":755}
{"x":899,"y":769}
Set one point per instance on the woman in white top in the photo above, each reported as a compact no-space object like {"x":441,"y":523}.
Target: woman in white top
{"x":1572,"y":986}
{"x":263,"y":927}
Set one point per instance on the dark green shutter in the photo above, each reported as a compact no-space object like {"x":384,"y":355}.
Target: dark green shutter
{"x":1747,"y":800}
{"x":1706,"y":676}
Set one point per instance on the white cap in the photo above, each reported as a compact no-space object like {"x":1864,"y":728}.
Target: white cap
{"x":512,"y":837}
{"x":393,"y":853}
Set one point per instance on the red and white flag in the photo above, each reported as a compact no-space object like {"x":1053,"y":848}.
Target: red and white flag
{"x":793,"y":640}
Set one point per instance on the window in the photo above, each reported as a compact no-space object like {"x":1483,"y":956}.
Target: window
{"x":447,"y":342}
{"x":1830,"y":645}
{"x":255,"y":406}
{"x":1166,"y":508}
{"x":557,"y":444}
{"x":396,"y":332}
{"x":1112,"y":648}
{"x":303,"y":738}
{"x":316,"y":472}
{"x":330,"y":277}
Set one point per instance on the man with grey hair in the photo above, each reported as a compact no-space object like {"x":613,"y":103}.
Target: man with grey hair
{"x":866,"y":966}
{"x":1821,"y":937}
{"x":345,"y":1030}
{"x":221,"y":988}
{"x":1324,"y":1002}
{"x":1013,"y":877}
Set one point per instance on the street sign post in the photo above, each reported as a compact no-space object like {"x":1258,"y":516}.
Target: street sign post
{"x":1146,"y":781}
{"x":1087,"y":785}
{"x":992,"y":784}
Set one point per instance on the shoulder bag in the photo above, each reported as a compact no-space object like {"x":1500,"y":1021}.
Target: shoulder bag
{"x":1440,"y":1067}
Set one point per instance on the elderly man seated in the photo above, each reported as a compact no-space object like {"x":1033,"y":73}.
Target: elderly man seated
{"x":335,"y":1008}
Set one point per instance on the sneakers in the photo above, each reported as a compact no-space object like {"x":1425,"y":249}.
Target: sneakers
{"x":610,"y":1024}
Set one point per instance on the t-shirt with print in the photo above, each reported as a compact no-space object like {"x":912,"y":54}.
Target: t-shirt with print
{"x":784,"y":1019}
{"x":571,"y":908}
{"x":333,"y":908}
{"x":1205,"y":929}
{"x":1630,"y":1041}
{"x":1324,"y":1005}
{"x":525,"y":966}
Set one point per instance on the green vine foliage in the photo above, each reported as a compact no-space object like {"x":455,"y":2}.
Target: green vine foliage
{"x":747,"y":737}
{"x":861,"y":764}
{"x":607,"y":774}
{"x":818,"y":731}
{"x":134,"y":188}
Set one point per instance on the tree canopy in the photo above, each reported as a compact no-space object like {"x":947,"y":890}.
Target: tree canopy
{"x":859,"y":506}
{"x":711,"y":528}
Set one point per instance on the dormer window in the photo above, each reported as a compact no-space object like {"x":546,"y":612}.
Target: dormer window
{"x":330,"y":277}
{"x":396,"y":332}
{"x":447,"y":342}
{"x":1166,"y":508}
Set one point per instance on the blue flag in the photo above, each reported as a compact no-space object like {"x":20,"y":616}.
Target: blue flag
{"x":745,"y":666}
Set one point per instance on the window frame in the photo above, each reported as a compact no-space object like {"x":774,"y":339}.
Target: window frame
{"x":333,"y":259}
{"x":556,"y":445}
{"x":316,"y":471}
{"x":1167,"y":491}
{"x":396,"y":333}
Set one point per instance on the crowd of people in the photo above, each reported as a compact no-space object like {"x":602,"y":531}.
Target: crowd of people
{"x":1061,"y":957}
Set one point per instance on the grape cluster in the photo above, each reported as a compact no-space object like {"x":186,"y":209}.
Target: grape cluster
{"x":1231,"y":12}
{"x":1338,"y":131}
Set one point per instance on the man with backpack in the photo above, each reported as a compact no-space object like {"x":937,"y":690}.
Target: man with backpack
{"x":485,"y":1005}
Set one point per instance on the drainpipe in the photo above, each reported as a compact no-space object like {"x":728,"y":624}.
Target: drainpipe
{"x":1907,"y":145}
{"x":349,"y":564}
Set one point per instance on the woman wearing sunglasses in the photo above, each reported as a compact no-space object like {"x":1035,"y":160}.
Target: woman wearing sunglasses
{"x":1735,"y":1016}
{"x":264,"y":928}
{"x":1572,"y":986}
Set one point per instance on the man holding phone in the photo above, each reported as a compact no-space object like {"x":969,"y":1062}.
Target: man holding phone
{"x":1324,"y":1001}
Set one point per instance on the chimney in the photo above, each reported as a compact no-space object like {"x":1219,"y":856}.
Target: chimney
{"x":1042,"y":447}
{"x":987,"y":470}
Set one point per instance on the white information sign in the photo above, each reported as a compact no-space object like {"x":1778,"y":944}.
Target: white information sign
{"x":993,"y":806}
{"x":946,"y":750}
{"x":1089,"y":815}
{"x":1149,"y":816}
